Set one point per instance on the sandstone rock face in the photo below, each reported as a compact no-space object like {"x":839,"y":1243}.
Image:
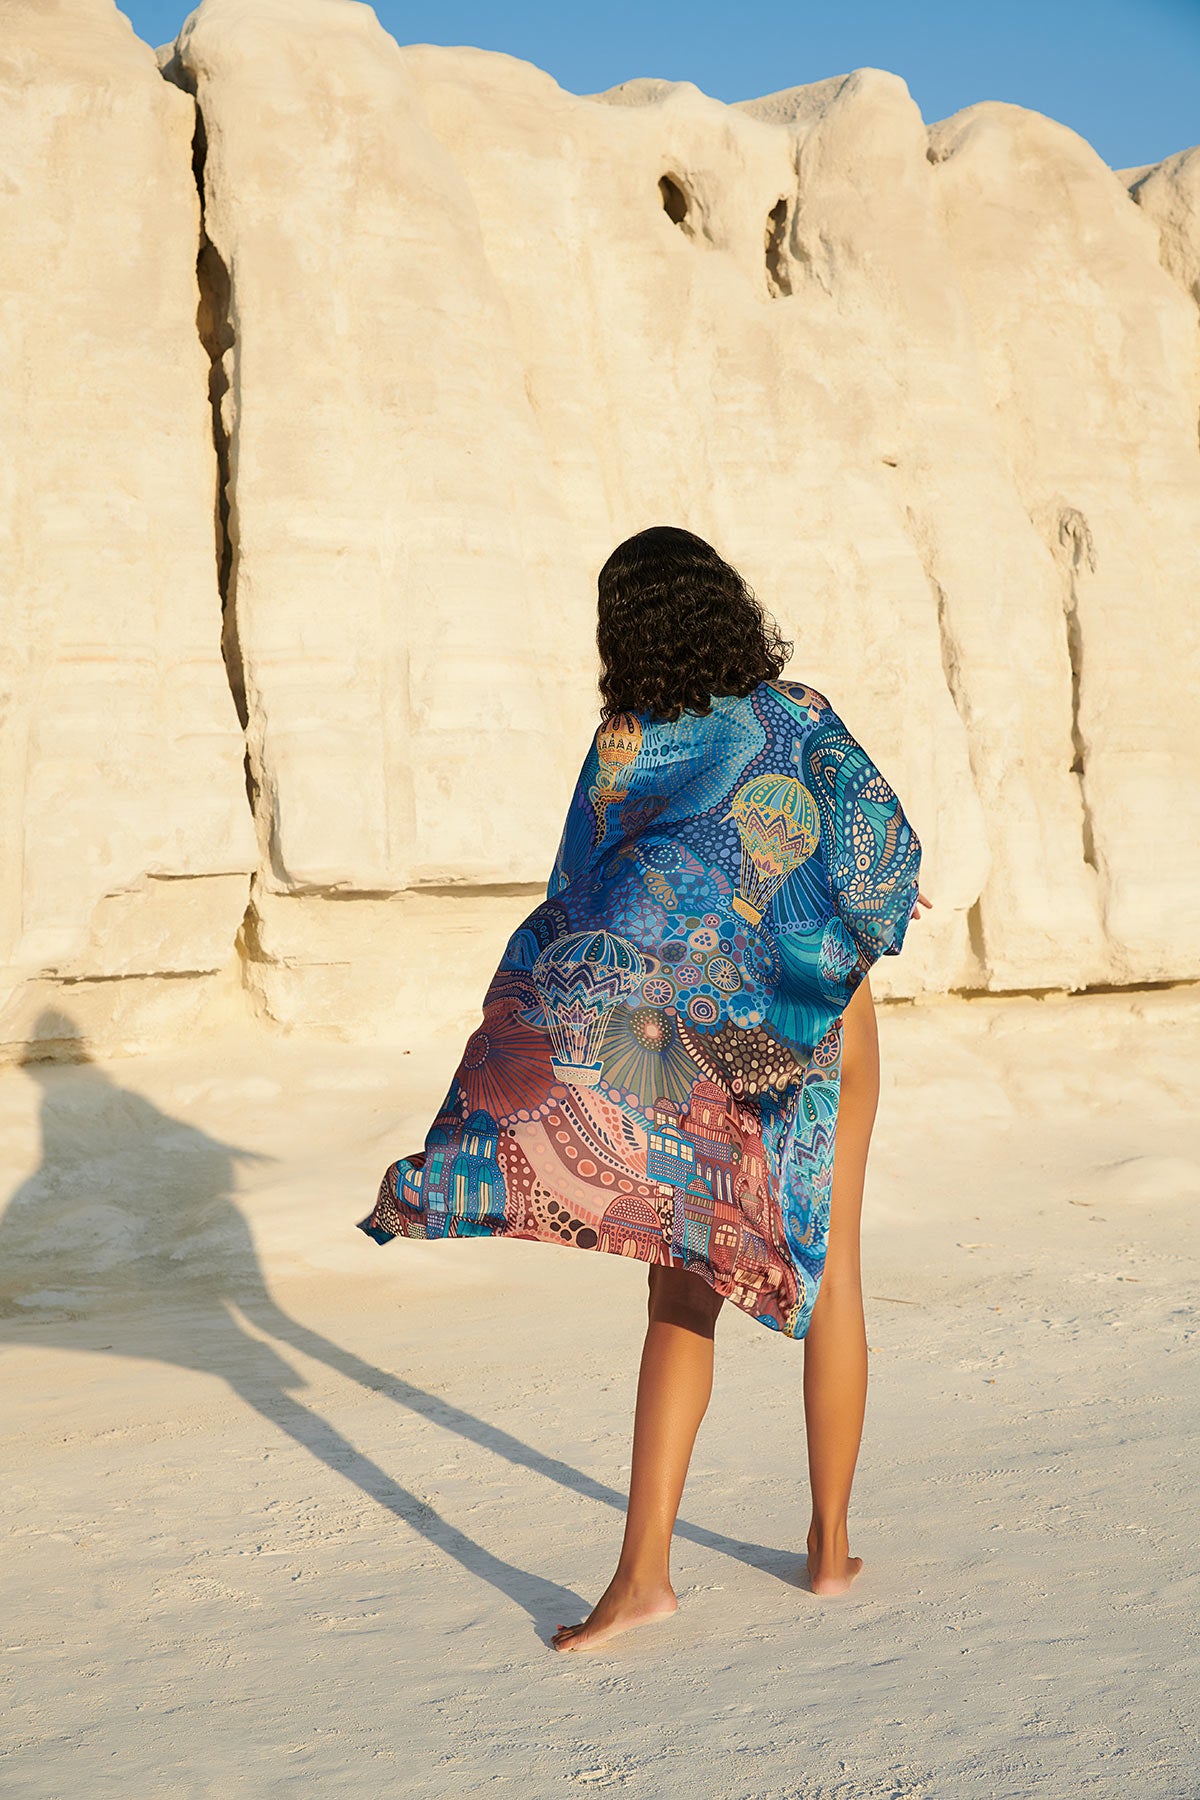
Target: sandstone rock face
{"x":1169,"y":193}
{"x":1089,"y":357}
{"x":933,"y":390}
{"x":406,"y":585}
{"x":126,"y":846}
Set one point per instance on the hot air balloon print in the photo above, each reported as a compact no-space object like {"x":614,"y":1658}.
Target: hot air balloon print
{"x":579,"y":980}
{"x":617,"y":745}
{"x":777,"y":823}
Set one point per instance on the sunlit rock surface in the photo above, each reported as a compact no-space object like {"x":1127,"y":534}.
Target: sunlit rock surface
{"x":125,"y":841}
{"x":934,"y":390}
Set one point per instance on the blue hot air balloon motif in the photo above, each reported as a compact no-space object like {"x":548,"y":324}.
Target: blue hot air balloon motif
{"x":579,"y":979}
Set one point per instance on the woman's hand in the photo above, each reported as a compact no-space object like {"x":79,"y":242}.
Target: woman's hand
{"x":921,"y":901}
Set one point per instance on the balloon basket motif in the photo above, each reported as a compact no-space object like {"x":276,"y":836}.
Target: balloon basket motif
{"x":577,"y":1074}
{"x":752,"y":913}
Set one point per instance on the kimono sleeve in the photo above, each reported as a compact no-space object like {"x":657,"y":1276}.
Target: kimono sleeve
{"x":578,"y":832}
{"x":871,"y":852}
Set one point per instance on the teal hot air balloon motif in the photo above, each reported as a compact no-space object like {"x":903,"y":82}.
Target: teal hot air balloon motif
{"x":778,"y":825}
{"x":579,"y":980}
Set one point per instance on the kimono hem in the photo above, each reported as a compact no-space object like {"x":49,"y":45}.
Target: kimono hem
{"x":657,"y":1068}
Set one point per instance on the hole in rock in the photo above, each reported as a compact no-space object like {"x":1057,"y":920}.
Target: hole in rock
{"x":674,"y":199}
{"x":779,"y":274}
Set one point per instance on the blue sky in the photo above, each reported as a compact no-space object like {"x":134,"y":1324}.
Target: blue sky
{"x":1125,"y":74}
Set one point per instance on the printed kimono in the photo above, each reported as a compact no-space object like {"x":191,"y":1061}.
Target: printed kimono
{"x":656,"y":1071}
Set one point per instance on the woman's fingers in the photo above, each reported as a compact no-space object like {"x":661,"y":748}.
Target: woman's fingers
{"x":921,"y":901}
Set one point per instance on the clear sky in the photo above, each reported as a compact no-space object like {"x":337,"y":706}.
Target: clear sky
{"x":1125,"y":74}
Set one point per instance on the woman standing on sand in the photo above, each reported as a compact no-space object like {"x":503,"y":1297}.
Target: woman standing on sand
{"x":677,"y":1059}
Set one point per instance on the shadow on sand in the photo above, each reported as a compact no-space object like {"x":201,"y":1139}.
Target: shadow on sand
{"x":130,"y":1218}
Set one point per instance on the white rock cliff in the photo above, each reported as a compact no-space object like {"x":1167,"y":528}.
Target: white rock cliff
{"x":125,"y":847}
{"x":334,"y":371}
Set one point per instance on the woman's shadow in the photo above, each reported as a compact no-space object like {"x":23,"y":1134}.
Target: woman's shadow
{"x":129,"y":1221}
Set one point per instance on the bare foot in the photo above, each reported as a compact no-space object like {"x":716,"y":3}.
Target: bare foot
{"x":831,"y":1568}
{"x":620,"y":1607}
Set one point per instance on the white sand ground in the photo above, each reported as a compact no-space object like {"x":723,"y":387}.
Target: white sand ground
{"x":290,"y":1514}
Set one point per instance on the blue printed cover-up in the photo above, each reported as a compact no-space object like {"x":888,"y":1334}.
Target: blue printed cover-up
{"x":656,"y":1072}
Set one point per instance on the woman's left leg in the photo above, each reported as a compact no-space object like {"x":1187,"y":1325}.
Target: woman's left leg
{"x":835,"y":1349}
{"x":673,"y":1392}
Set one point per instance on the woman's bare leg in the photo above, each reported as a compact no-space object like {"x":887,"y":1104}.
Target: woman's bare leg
{"x":673,"y":1391}
{"x":835,"y":1348}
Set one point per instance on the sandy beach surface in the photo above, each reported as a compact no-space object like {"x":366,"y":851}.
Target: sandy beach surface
{"x":287,"y":1513}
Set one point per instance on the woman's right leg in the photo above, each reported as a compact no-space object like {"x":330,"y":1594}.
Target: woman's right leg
{"x":673,"y":1392}
{"x":835,"y":1347}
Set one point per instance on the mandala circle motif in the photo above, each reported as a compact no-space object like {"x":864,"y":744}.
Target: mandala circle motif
{"x":667,"y":858}
{"x":703,"y":1009}
{"x":651,"y":1026}
{"x":724,"y":974}
{"x":658,"y":991}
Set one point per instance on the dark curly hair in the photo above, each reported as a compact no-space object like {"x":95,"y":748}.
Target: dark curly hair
{"x":677,"y":625}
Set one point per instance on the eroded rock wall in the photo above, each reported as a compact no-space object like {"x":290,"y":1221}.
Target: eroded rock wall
{"x":126,"y":845}
{"x":934,"y":390}
{"x":1089,"y":356}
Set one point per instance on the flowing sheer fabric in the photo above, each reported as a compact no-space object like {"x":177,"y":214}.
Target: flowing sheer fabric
{"x":656,"y":1070}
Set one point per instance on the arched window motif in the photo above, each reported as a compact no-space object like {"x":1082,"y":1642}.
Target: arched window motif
{"x":480,"y":1138}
